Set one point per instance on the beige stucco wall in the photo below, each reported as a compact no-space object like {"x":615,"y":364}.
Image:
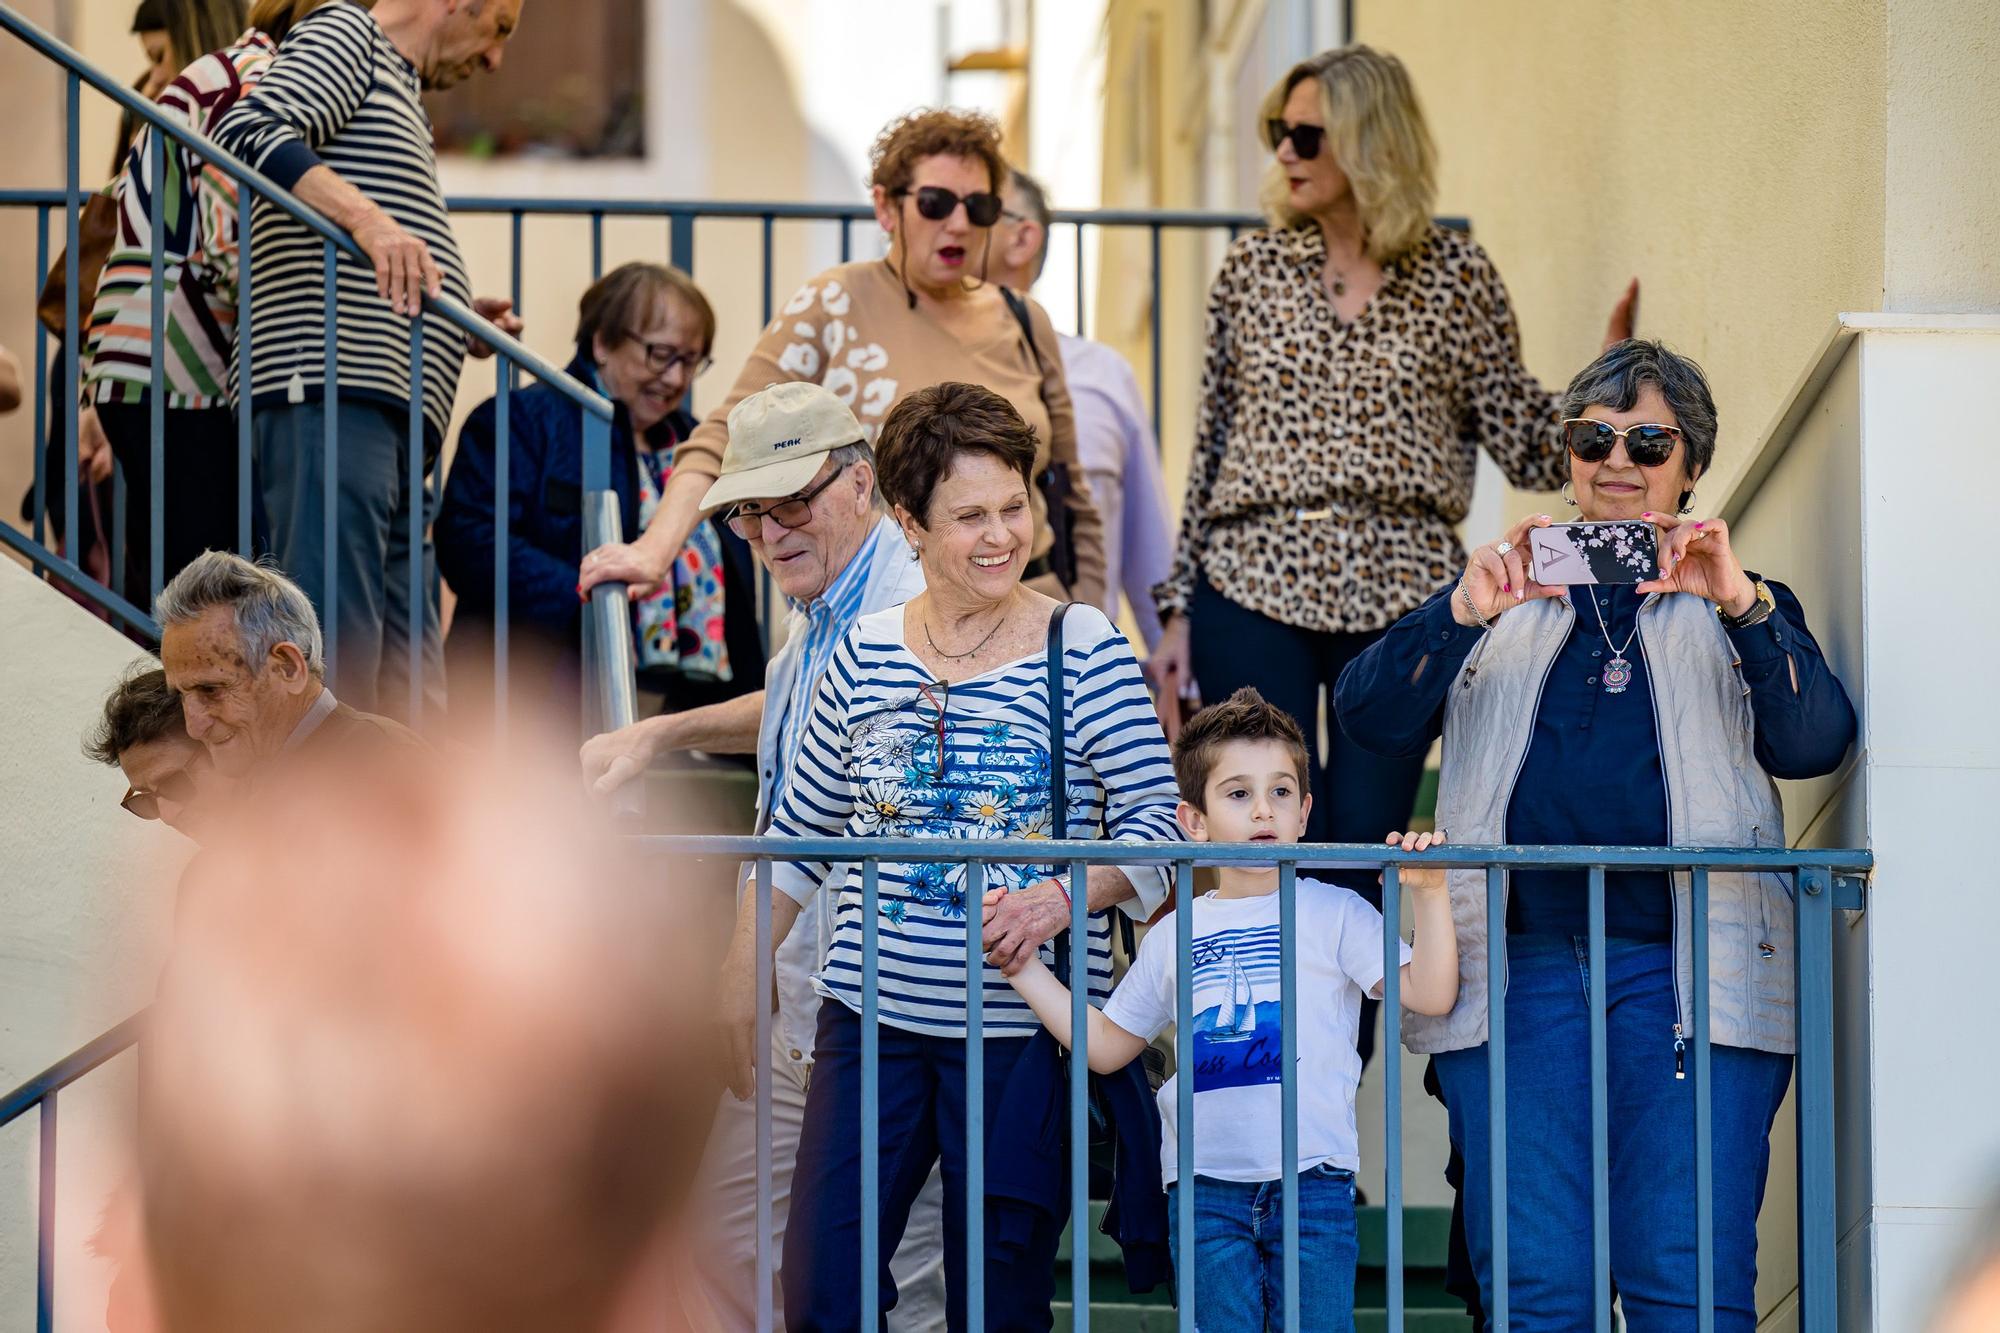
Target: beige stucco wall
{"x":1731,"y":156}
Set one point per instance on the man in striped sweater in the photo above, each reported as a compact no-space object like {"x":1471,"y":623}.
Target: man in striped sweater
{"x":337,"y":120}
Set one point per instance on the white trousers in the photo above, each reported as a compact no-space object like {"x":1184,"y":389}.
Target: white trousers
{"x":729,"y":1172}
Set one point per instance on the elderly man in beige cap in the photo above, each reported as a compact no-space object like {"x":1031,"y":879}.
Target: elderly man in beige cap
{"x":798,"y":484}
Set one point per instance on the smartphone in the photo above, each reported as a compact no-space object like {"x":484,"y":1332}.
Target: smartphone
{"x":1562,"y":554}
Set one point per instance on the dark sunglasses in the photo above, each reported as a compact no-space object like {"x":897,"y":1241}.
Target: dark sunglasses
{"x":932,"y":704}
{"x":982,"y":209}
{"x":177,"y":787}
{"x":1306,"y":139}
{"x":663,"y":357}
{"x":747,"y":520}
{"x":1648,"y":445}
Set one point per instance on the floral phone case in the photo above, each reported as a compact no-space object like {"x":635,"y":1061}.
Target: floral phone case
{"x":1562,"y":554}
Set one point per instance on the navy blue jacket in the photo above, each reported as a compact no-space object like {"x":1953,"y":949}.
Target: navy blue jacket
{"x":1027,"y":1163}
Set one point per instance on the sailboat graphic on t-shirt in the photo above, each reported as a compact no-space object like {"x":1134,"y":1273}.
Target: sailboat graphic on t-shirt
{"x":1236,"y":1016}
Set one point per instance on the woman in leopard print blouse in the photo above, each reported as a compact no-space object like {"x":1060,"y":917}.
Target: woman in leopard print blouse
{"x":1359,"y":356}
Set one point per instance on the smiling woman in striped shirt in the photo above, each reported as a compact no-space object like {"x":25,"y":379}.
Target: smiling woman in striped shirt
{"x":933,"y":721}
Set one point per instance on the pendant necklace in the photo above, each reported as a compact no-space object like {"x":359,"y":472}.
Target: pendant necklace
{"x":1618,"y":671}
{"x":960,"y":657}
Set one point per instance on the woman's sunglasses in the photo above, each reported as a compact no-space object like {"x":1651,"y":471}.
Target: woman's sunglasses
{"x":747,"y":520}
{"x":177,"y":787}
{"x":1647,"y":445}
{"x":1306,"y":139}
{"x":933,"y":704}
{"x":936,"y":203}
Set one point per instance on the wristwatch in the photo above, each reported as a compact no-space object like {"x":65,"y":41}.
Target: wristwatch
{"x":1759,"y":612}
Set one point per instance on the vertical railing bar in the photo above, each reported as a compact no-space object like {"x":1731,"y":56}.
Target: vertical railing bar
{"x":680,"y":241}
{"x":72,"y":316}
{"x":1288,"y":1081}
{"x":45,"y":1213}
{"x":1704,"y":1142}
{"x":766,"y":241}
{"x":1813,"y":951}
{"x":1496,"y":1079}
{"x":41,"y":387}
{"x":596,"y":246}
{"x":1600,"y":1117}
{"x":846,"y":239}
{"x":514,"y":260}
{"x":1156,"y":329}
{"x":766,"y":1070}
{"x":871,"y":1086}
{"x":503,"y":516}
{"x":244,"y":201}
{"x":1184,"y":1288}
{"x":975,"y":1098}
{"x":1079,"y":281}
{"x":156,"y":528}
{"x":1079,"y":1095}
{"x":119,"y":501}
{"x":1392,"y":1083}
{"x":329,"y":612}
{"x":415,"y":536}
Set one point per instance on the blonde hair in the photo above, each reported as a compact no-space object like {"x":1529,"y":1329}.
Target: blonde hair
{"x":1376,"y":132}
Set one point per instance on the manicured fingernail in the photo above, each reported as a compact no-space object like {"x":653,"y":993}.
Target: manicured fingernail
{"x":1701,"y":525}
{"x":1506,"y":587}
{"x":1647,"y":514}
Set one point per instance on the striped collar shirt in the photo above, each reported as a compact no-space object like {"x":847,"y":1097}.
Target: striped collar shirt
{"x":823,"y":622}
{"x":341,"y":95}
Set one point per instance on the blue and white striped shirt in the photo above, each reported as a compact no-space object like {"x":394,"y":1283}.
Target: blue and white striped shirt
{"x":869,"y":766}
{"x":827,"y":620}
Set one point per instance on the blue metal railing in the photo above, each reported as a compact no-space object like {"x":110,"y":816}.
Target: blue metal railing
{"x":1823,"y":880}
{"x":338,"y":247}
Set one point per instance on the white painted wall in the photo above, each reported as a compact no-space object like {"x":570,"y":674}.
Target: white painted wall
{"x":85,"y":900}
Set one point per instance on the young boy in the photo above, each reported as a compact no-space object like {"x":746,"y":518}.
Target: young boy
{"x":1242,"y":768}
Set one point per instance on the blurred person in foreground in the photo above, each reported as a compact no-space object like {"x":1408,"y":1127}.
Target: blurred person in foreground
{"x":1114,"y":435}
{"x":1970,"y":1301}
{"x":877,"y":330}
{"x":242,"y":648}
{"x":797,"y":483}
{"x":422,"y":1059}
{"x":143,"y":733}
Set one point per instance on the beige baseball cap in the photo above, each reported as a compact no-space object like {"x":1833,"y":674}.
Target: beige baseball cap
{"x":777,"y":437}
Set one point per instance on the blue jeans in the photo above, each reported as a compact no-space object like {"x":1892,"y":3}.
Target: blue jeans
{"x":1651,"y":1144}
{"x":921,"y":1119}
{"x":1239,"y":1251}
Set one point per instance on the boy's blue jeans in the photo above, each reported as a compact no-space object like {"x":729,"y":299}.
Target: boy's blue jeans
{"x":1651,"y":1148}
{"x":1239,"y":1251}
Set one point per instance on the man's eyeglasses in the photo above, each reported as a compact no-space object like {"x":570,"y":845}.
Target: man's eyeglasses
{"x":982,"y":208}
{"x":1648,"y":445}
{"x":747,"y":520}
{"x":177,"y":786}
{"x":663,"y":357}
{"x":1306,"y":139}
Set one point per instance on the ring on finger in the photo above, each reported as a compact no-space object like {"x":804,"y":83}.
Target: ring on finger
{"x":1502,"y":547}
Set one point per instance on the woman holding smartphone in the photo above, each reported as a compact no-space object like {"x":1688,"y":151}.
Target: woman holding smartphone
{"x":1654,"y":713}
{"x":1359,"y":358}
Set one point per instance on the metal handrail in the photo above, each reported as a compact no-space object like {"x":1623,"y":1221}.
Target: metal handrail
{"x":72,"y":1067}
{"x":286,"y":202}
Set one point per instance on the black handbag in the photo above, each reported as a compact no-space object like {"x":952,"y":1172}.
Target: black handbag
{"x":1054,"y":482}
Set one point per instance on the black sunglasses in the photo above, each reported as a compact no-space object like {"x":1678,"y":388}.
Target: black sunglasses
{"x":1306,"y":139}
{"x":177,"y":786}
{"x":1648,"y":445}
{"x":982,"y":209}
{"x":932,"y":704}
{"x":747,"y":520}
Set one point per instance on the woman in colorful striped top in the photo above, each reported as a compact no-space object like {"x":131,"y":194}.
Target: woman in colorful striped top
{"x":933,"y":721}
{"x":198,"y":210}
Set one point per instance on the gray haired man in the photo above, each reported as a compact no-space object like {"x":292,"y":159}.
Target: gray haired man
{"x":241,"y":646}
{"x":798,"y":484}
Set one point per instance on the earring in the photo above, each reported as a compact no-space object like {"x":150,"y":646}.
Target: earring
{"x":1568,"y":499}
{"x":1687,"y":502}
{"x":916,"y":551}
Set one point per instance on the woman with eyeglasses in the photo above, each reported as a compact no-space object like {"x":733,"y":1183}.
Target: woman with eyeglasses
{"x":1359,"y":358}
{"x":877,"y":330}
{"x":935,"y":721}
{"x":144,"y":734}
{"x":1652,"y":714}
{"x":644,"y":332}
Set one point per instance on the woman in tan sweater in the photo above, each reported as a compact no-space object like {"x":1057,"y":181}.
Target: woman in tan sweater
{"x":880,"y":329}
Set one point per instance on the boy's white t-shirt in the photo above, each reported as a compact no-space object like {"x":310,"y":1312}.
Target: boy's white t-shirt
{"x":1238,"y":1098}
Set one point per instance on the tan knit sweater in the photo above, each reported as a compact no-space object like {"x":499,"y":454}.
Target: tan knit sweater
{"x":852,"y":329}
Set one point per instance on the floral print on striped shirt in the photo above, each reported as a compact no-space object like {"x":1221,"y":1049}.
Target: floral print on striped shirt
{"x":889,"y":754}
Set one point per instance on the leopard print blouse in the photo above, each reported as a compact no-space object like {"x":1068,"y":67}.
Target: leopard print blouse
{"x":1333,"y":459}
